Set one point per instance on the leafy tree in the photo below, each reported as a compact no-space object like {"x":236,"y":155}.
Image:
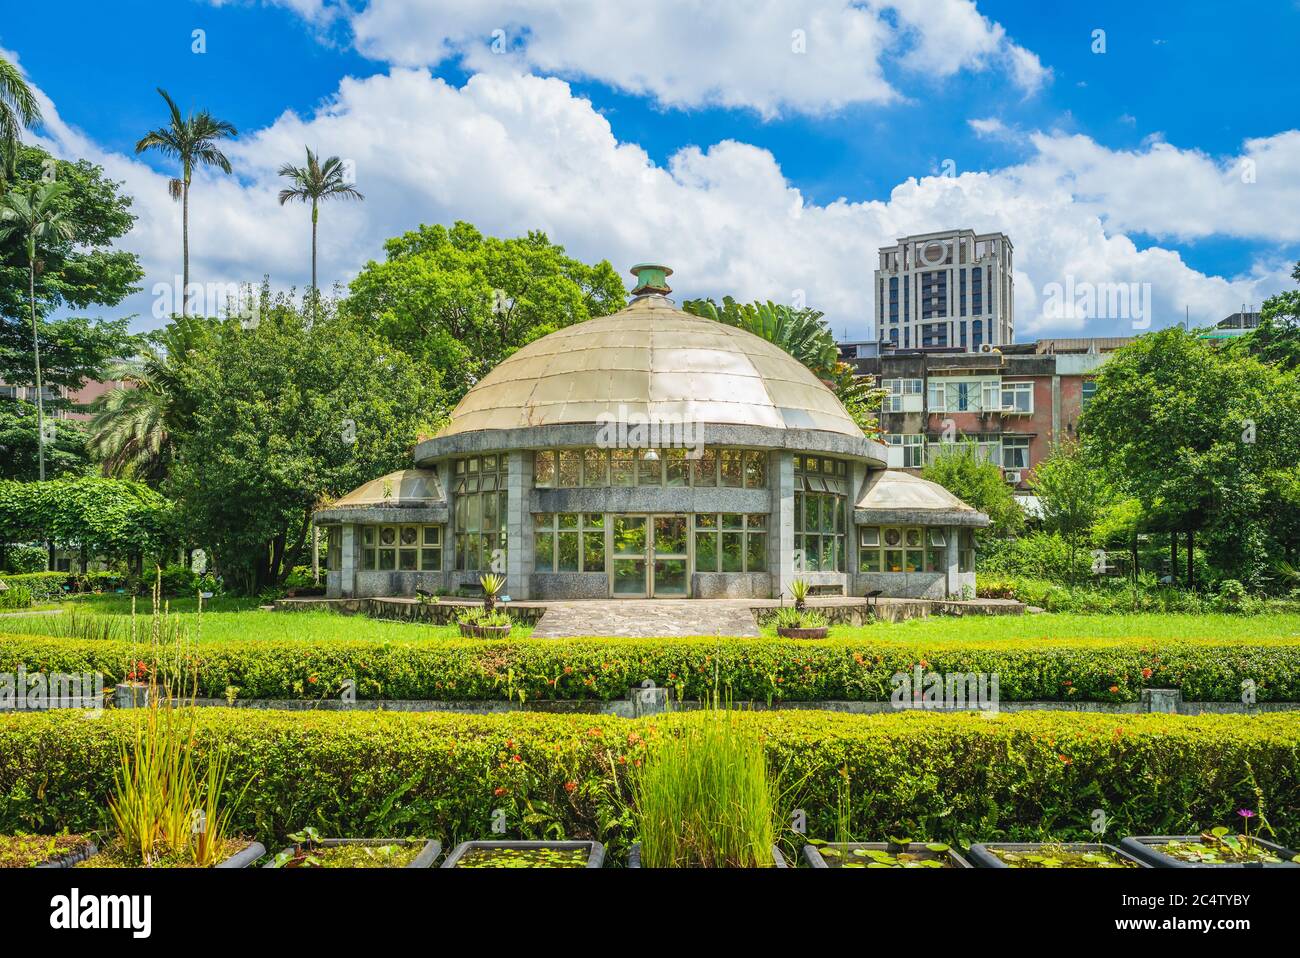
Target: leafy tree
{"x":977,"y":482}
{"x":193,"y":141}
{"x":313,"y":183}
{"x":804,"y":334}
{"x":65,"y":453}
{"x":107,"y":517}
{"x":1276,"y":340}
{"x":280,"y":418}
{"x":33,"y":214}
{"x":132,"y":429}
{"x":72,"y":273}
{"x":462,"y":302}
{"x":1073,"y":494}
{"x":1204,"y":438}
{"x":18,"y":109}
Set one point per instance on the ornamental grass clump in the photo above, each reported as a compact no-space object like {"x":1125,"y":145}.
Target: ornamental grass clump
{"x":704,"y":798}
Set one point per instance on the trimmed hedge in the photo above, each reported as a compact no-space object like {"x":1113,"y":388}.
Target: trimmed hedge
{"x":957,"y":778}
{"x":1083,"y":670}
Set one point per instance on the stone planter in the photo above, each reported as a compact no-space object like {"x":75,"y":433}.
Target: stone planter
{"x":634,"y":857}
{"x":67,"y":861}
{"x":428,"y":854}
{"x":813,"y":856}
{"x":1142,"y":848}
{"x":817,"y":633}
{"x":132,"y":695}
{"x":982,"y":857}
{"x":595,"y":850}
{"x":484,"y":631}
{"x":241,"y":859}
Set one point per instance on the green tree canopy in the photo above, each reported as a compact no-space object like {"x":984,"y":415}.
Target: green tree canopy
{"x":109,"y":517}
{"x":1073,"y":495}
{"x":462,"y":302}
{"x":65,"y":456}
{"x":281,"y":417}
{"x":978,"y":483}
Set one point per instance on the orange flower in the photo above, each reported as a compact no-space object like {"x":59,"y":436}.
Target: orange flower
{"x":1146,"y":673}
{"x":517,"y":759}
{"x":311,"y":679}
{"x":1114,"y":688}
{"x":498,"y":791}
{"x":570,"y":786}
{"x":1066,"y":759}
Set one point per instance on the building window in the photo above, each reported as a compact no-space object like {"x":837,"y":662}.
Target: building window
{"x":821,"y":487}
{"x":401,"y":548}
{"x":479,"y":494}
{"x":569,"y":542}
{"x":1015,"y":452}
{"x":1089,"y":389}
{"x":728,"y":542}
{"x":898,"y":388}
{"x":1018,"y":397}
{"x":965,"y":395}
{"x":913,"y":449}
{"x":672,"y":466}
{"x":966,"y":551}
{"x":901,"y":549}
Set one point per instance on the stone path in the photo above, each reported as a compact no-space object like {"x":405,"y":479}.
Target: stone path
{"x":645,"y":618}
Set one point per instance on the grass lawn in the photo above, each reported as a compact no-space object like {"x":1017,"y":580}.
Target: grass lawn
{"x":232,"y":618}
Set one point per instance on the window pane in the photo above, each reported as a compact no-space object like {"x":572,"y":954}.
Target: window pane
{"x":431,"y":560}
{"x":408,"y":560}
{"x":706,"y":552}
{"x":914,"y":560}
{"x":706,"y":520}
{"x":368,"y":535}
{"x":595,"y":467}
{"x":623,"y":465}
{"x":387,"y":559}
{"x":934,"y":560}
{"x":433,"y":535}
{"x":732,"y":561}
{"x":678,"y":467}
{"x":544,"y":469}
{"x":732,"y":468}
{"x":869,"y":560}
{"x":368,"y":559}
{"x":650,"y":472}
{"x":543,"y":548}
{"x":706,"y":468}
{"x":893,"y":560}
{"x":388,"y":536}
{"x":732,"y":520}
{"x":593,"y":551}
{"x":570,"y":468}
{"x":755,"y":470}
{"x":756,"y":521}
{"x":568,"y":520}
{"x":756,"y":552}
{"x":567,"y":559}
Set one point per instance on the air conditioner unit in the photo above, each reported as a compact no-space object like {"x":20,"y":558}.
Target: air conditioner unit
{"x":1012,"y":476}
{"x":987,"y":347}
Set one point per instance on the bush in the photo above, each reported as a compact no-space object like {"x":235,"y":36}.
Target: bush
{"x":16,"y":597}
{"x":1038,"y":555}
{"x":954,"y":778}
{"x":1105,"y":596}
{"x":23,"y":559}
{"x":179,"y":580}
{"x":764,"y":669}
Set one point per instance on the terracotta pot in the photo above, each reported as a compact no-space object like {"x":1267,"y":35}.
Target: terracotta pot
{"x":484,"y":631}
{"x":789,"y":633}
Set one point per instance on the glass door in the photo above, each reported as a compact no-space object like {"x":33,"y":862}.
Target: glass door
{"x":669,"y":574}
{"x":629,"y":552}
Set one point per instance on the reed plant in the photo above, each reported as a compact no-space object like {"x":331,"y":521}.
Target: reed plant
{"x":704,"y":798}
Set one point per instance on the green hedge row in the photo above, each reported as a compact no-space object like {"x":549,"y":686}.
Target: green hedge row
{"x":176,"y":580}
{"x":957,"y":778}
{"x":1084,"y":670}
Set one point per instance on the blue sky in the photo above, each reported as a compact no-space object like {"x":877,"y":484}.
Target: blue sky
{"x":1111,"y":167}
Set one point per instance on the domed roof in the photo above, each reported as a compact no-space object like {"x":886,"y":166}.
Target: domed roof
{"x":890,"y":495}
{"x":657,"y":361}
{"x":403,"y":488}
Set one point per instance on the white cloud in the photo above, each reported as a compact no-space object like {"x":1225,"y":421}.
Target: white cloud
{"x":511,"y":153}
{"x":773,"y":56}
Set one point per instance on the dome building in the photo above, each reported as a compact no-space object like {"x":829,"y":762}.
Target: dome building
{"x":651,"y":454}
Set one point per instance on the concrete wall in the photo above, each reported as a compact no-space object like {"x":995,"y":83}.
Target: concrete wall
{"x":731,"y":585}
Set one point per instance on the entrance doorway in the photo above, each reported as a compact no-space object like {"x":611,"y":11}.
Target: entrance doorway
{"x":650,"y":557}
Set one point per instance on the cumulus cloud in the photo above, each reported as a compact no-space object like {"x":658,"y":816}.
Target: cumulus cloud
{"x":772,"y":56}
{"x":514,"y":152}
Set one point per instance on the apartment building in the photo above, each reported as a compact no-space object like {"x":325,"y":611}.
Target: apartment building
{"x":947,"y":290}
{"x":1014,"y":402}
{"x":62,"y":403}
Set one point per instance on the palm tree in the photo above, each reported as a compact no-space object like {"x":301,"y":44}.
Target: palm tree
{"x":18,"y":109}
{"x":132,"y":430}
{"x":315,"y":182}
{"x":33,"y":213}
{"x":193,"y":141}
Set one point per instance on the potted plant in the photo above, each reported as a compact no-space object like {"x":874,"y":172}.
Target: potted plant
{"x":309,"y":850}
{"x":895,"y":853}
{"x":792,"y":623}
{"x":45,"y":851}
{"x":481,"y":624}
{"x":492,"y":586}
{"x":1052,"y":855}
{"x":526,"y":854}
{"x":703,"y":797}
{"x":1215,"y":848}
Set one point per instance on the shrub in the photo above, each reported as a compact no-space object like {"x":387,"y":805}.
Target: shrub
{"x":16,"y":597}
{"x":789,"y":617}
{"x":20,"y":559}
{"x":763,"y":669}
{"x":954,"y":778}
{"x":1039,"y":555}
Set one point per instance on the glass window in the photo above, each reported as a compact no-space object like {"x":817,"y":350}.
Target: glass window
{"x":732,"y":468}
{"x":543,"y":543}
{"x":706,"y":468}
{"x":1087,"y":391}
{"x":623,"y":466}
{"x":678,"y":467}
{"x":755,"y":469}
{"x":650,"y":468}
{"x":595,"y":467}
{"x":1018,"y":397}
{"x":593,"y":542}
{"x":543,"y":469}
{"x":569,"y":468}
{"x":820,"y":513}
{"x":479,"y":511}
{"x":1015,"y":452}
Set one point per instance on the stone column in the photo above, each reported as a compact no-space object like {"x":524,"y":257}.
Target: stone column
{"x":519,"y":524}
{"x":783,"y":524}
{"x":348,"y":561}
{"x":857,"y":476}
{"x":953,"y":535}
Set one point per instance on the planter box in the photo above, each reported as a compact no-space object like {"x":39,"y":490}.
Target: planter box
{"x":817,"y":633}
{"x":813,"y":856}
{"x":634,"y":857}
{"x":484,"y":631}
{"x":428,"y":854}
{"x":241,"y":859}
{"x":67,"y":861}
{"x":1140,"y":846}
{"x":595,"y":850}
{"x":982,"y":857}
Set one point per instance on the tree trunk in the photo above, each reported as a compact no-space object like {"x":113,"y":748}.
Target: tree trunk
{"x":1173,"y":557}
{"x":185,"y":244}
{"x":1191,"y":554}
{"x":313,"y":247}
{"x":36,"y":350}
